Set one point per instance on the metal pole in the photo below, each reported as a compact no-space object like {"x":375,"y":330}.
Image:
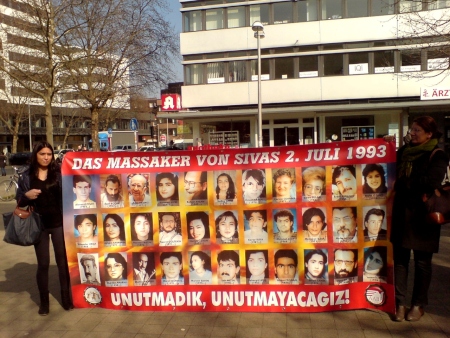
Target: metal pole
{"x":260,"y":138}
{"x":167,"y":136}
{"x":29,"y":127}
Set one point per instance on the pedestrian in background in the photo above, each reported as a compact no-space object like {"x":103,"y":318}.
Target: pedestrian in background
{"x":3,"y":163}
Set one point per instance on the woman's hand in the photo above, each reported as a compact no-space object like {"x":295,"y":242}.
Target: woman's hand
{"x":33,"y":194}
{"x":389,"y":138}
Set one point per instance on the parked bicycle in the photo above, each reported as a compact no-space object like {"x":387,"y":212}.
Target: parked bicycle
{"x":9,"y":187}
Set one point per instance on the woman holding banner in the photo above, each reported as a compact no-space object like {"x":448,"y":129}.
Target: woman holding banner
{"x":40,"y":187}
{"x":417,"y":174}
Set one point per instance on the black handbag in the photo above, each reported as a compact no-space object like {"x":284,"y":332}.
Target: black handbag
{"x":438,"y":203}
{"x":22,"y":226}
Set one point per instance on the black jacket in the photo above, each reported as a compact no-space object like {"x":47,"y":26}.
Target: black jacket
{"x":409,"y":227}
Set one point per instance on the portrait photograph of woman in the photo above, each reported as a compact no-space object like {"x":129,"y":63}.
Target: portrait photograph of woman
{"x":116,"y":269}
{"x":313,"y":184}
{"x":200,"y":268}
{"x":374,"y":180}
{"x":113,"y":230}
{"x":198,"y":228}
{"x":375,"y":267}
{"x":167,"y":189}
{"x":227,"y":228}
{"x":316,"y":268}
{"x":141,"y":229}
{"x":225,"y":191}
{"x":284,"y":187}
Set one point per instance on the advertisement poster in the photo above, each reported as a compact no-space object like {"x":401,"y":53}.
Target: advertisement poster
{"x":279,"y":229}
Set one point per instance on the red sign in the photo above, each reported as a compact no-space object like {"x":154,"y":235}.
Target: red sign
{"x":170,"y":102}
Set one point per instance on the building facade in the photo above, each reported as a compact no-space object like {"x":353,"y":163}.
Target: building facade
{"x":330,"y":69}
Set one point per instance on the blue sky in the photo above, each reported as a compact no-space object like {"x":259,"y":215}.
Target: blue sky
{"x":174,"y":17}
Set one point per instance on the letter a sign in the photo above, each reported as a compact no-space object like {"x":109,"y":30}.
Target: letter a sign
{"x":170,"y":102}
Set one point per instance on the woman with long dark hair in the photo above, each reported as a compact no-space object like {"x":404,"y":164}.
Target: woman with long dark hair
{"x":40,"y":187}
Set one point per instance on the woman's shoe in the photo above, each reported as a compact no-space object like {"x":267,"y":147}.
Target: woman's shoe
{"x":399,"y":313}
{"x":66,"y":300}
{"x":44,"y":307}
{"x":415,"y":312}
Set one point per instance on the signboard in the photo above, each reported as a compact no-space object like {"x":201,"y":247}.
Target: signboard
{"x":134,"y":125}
{"x":228,"y":138}
{"x":247,"y":246}
{"x":435,"y":93}
{"x":170,"y":102}
{"x":357,"y":133}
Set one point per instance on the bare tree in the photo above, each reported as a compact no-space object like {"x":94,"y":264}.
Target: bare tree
{"x":112,"y":49}
{"x":30,"y":53}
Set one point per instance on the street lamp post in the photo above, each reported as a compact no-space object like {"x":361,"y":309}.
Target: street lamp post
{"x":258,"y":28}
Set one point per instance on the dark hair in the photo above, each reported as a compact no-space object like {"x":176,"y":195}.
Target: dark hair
{"x":53,"y":168}
{"x":81,"y":178}
{"x":166,"y":255}
{"x":337,"y":171}
{"x":284,"y":213}
{"x":176,"y":218}
{"x":150,"y":264}
{"x":203,"y":176}
{"x":228,"y":255}
{"x":231,"y":192}
{"x":174,"y":179}
{"x":202,"y":216}
{"x":119,"y":259}
{"x":352,"y":209}
{"x":366,"y":171}
{"x":120,"y":224}
{"x":266,"y":257}
{"x":248,"y":214}
{"x":311,"y":253}
{"x":204,"y":257}
{"x":288,"y":253}
{"x":309,"y":214}
{"x":225,"y":215}
{"x":80,"y":218}
{"x":355,"y":260}
{"x":374,"y":211}
{"x":429,"y":125}
{"x":113,"y":179}
{"x":148,"y":217}
{"x":258,"y":174}
{"x":382,"y":251}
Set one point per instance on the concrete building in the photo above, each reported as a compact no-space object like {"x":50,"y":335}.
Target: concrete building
{"x":331,"y":69}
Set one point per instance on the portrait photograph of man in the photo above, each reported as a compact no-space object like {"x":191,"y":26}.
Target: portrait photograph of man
{"x":255,"y":226}
{"x":172,"y":268}
{"x":345,"y":266}
{"x":284,"y":226}
{"x":344,"y":186}
{"x":144,"y":273}
{"x":86,"y":231}
{"x":89,"y":268}
{"x":82,"y":187}
{"x":138,"y":190}
{"x":112,"y":195}
{"x":345,"y":225}
{"x":169,"y":229}
{"x":374,"y":223}
{"x":286,"y":266}
{"x":196,"y":187}
{"x":228,"y":267}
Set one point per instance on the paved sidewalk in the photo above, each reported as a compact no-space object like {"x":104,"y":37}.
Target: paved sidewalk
{"x":19,"y":304}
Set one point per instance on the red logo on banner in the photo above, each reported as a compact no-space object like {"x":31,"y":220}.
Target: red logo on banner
{"x":376,"y":295}
{"x":170,"y":102}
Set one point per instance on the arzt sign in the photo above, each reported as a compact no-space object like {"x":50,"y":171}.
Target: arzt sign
{"x":170,"y":102}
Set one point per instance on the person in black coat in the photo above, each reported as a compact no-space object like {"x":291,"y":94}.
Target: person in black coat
{"x":417,"y":174}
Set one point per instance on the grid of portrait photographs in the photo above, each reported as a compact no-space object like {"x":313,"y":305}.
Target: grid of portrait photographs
{"x":316,"y":225}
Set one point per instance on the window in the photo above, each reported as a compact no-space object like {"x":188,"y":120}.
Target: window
{"x":384,"y":61}
{"x":237,"y":71}
{"x":284,"y":68}
{"x":307,"y":10}
{"x":259,"y":13}
{"x":382,"y":7}
{"x":331,"y":9}
{"x":214,"y":19}
{"x":333,"y":64}
{"x":265,"y":69}
{"x":193,"y":74}
{"x":356,"y":8}
{"x":192,"y":21}
{"x":410,"y":6}
{"x":236,"y":17}
{"x":282,"y":12}
{"x":358,"y":63}
{"x":437,"y":59}
{"x":215,"y":72}
{"x":308,"y":66}
{"x":410,"y":61}
{"x":436,"y":4}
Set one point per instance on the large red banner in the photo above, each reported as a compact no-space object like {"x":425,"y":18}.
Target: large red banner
{"x":280,"y":229}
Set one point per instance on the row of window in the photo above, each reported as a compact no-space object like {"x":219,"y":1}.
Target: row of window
{"x":299,"y":11}
{"x":377,"y":62}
